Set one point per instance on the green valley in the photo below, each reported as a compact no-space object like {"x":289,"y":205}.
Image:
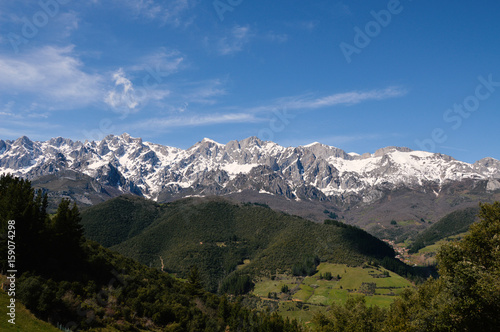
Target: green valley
{"x":223,"y":238}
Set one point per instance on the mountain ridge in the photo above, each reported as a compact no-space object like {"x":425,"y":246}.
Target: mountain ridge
{"x":208,"y":167}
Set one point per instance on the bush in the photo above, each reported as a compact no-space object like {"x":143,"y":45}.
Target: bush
{"x":285,"y":289}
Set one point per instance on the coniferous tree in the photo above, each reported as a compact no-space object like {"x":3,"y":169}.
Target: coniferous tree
{"x":20,"y":203}
{"x":65,"y":238}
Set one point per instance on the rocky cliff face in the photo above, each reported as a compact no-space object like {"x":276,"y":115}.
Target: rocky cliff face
{"x":121,"y":164}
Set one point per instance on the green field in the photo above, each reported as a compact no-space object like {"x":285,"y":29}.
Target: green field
{"x":427,"y":255}
{"x":302,"y":313}
{"x":320,"y":291}
{"x":310,"y":295}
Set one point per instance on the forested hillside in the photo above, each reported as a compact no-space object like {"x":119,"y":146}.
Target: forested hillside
{"x":217,"y":236}
{"x":454,"y":223}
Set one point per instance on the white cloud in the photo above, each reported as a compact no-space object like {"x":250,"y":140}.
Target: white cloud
{"x":51,"y":75}
{"x":126,"y":99}
{"x":143,"y":82}
{"x":251,"y":115}
{"x":161,"y":63}
{"x":234,"y":41}
{"x":195,"y":121}
{"x":170,"y":12}
{"x":309,"y":102}
{"x":204,"y":92}
{"x":346,"y":98}
{"x":123,"y":95}
{"x":6,"y":110}
{"x":69,"y":22}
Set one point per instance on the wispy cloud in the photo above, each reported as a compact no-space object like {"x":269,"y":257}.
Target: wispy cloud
{"x":167,"y":12}
{"x":125,"y":98}
{"x":234,"y":41}
{"x":194,"y":121}
{"x":6,"y":110}
{"x":204,"y":92}
{"x":123,"y":95}
{"x":346,"y":98}
{"x":150,"y":80}
{"x":68,"y":23}
{"x":311,"y":102}
{"x":143,"y":82}
{"x":276,"y":37}
{"x":33,"y":129}
{"x":163,"y":61}
{"x":50,"y":74}
{"x":259,"y":114}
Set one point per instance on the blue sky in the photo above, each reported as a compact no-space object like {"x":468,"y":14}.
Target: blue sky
{"x":359,"y":75}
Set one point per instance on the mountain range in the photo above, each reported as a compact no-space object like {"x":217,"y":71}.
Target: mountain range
{"x":251,"y":169}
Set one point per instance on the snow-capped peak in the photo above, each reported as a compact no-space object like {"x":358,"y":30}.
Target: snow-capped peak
{"x":209,"y":167}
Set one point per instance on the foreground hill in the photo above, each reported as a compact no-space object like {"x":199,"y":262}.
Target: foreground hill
{"x":217,"y":236}
{"x":71,"y":282}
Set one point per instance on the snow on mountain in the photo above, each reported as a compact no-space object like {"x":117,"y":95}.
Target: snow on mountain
{"x":314,"y":171}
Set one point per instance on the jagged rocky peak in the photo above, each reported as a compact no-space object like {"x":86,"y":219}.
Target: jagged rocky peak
{"x":3,"y":146}
{"x":126,"y":137}
{"x":251,"y":142}
{"x":488,"y":166}
{"x":205,"y":143}
{"x":58,"y":141}
{"x":386,"y":150}
{"x":326,"y":151}
{"x":487,"y":162}
{"x":24,"y":141}
{"x":233,"y":145}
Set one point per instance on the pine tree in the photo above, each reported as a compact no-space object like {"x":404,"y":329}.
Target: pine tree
{"x":20,"y":203}
{"x":65,"y":236}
